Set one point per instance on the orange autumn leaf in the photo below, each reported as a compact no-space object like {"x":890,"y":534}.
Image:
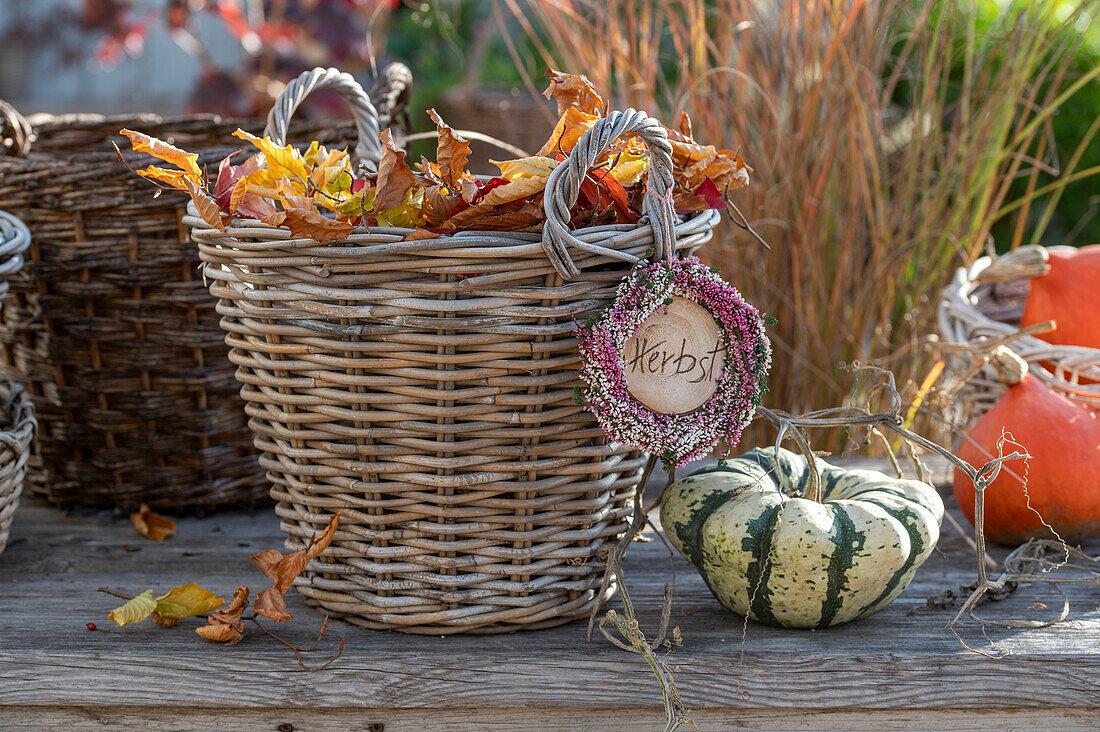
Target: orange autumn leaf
{"x":187,"y":162}
{"x":452,"y":152}
{"x":206,"y":206}
{"x":568,"y":131}
{"x":172,"y":178}
{"x":152,"y":525}
{"x":312,"y":225}
{"x":395,"y":177}
{"x":271,"y":604}
{"x":283,"y":569}
{"x":574,"y":90}
{"x":163,"y":621}
{"x":225,"y":625}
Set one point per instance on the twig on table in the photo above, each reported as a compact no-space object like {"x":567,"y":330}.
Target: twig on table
{"x":299,"y":651}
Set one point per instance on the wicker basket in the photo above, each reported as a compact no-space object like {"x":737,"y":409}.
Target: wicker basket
{"x":986,"y":301}
{"x":425,"y":390}
{"x":111,"y":326}
{"x":17,"y":421}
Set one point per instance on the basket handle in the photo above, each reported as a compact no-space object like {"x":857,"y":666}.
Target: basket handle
{"x":368,"y":149}
{"x":563,"y":186}
{"x":16,"y":133}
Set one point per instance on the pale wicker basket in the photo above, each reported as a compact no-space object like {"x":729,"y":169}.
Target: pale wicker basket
{"x":424,"y":389}
{"x":17,"y":422}
{"x":986,"y":301}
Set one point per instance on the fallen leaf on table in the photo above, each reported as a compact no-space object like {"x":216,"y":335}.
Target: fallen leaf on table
{"x":187,"y":600}
{"x":163,"y":621}
{"x":135,"y":610}
{"x":271,"y":604}
{"x":152,"y":525}
{"x":225,"y":625}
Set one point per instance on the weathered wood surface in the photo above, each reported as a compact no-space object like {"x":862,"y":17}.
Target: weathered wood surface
{"x":899,"y":669}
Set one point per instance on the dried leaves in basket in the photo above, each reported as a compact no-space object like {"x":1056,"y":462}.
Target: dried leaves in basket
{"x":318,"y":194}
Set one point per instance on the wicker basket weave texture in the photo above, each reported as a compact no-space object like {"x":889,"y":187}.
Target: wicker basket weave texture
{"x":424,"y":389}
{"x":112,"y":328}
{"x":986,"y":301}
{"x":17,"y":420}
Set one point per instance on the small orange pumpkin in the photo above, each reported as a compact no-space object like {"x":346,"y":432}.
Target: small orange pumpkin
{"x":1068,"y":294}
{"x":1063,"y":474}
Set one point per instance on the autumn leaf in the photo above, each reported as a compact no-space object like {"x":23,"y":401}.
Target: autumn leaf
{"x":225,"y":625}
{"x":173,"y":178}
{"x":536,"y":166}
{"x":452,"y":152}
{"x":187,"y":162}
{"x":163,"y":621}
{"x":437,"y":204}
{"x":220,"y":632}
{"x":282,"y":161}
{"x":510,"y":191}
{"x":568,"y":131}
{"x":271,"y":604}
{"x":630,"y":169}
{"x":312,"y":225}
{"x":283,"y":569}
{"x":420,"y":235}
{"x":333,"y":173}
{"x":406,"y":214}
{"x":207,"y":207}
{"x":187,"y":600}
{"x":572,"y":91}
{"x":135,"y":610}
{"x":395,"y":177}
{"x":152,"y":525}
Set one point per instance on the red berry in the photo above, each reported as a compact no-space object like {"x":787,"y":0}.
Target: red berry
{"x":91,"y":626}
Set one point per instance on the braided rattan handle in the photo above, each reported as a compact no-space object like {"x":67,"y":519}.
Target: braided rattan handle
{"x":14,"y":240}
{"x":368,"y":149}
{"x":564,"y":183}
{"x":1024,"y":263}
{"x":15,"y":132}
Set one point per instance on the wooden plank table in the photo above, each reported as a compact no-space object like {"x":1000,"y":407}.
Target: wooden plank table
{"x":900,"y":669}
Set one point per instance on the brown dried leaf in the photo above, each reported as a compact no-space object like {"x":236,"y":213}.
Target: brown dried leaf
{"x":437,"y":205}
{"x":511,"y":191}
{"x":152,"y":525}
{"x":685,"y":126}
{"x":312,"y":225}
{"x":206,"y":206}
{"x":395,"y":177}
{"x":419,"y":235}
{"x":270,"y":604}
{"x":231,"y":613}
{"x":163,"y":621}
{"x":220,"y":632}
{"x":452,"y":152}
{"x":574,"y":91}
{"x":267,"y":562}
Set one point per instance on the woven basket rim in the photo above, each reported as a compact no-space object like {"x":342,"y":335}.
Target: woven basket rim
{"x":961,"y":321}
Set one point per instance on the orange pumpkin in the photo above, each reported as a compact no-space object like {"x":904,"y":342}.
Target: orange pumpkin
{"x":1068,"y":294}
{"x":1063,"y":474}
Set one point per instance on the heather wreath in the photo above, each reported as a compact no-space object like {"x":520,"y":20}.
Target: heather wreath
{"x":676,"y":438}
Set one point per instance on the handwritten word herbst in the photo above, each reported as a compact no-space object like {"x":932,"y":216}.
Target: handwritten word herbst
{"x":654,"y":358}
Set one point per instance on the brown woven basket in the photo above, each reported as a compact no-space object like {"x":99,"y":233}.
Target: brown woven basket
{"x":424,"y":389}
{"x":110,"y":324}
{"x":986,"y":301}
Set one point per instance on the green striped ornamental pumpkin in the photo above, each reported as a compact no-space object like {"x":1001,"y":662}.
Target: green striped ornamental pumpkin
{"x":783,"y":559}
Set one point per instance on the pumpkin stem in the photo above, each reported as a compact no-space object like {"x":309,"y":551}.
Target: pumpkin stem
{"x":785,"y":425}
{"x":1011,"y":369}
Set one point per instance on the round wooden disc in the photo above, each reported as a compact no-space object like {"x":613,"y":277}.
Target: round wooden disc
{"x":674,"y":361}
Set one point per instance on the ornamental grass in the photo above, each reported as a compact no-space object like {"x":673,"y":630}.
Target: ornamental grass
{"x":887,"y":141}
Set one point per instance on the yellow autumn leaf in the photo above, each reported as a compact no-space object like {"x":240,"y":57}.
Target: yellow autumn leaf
{"x":187,"y":600}
{"x":406,"y":214}
{"x":187,"y":162}
{"x":630,"y":168}
{"x":135,"y":610}
{"x":536,"y":166}
{"x":282,"y":162}
{"x":333,"y":173}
